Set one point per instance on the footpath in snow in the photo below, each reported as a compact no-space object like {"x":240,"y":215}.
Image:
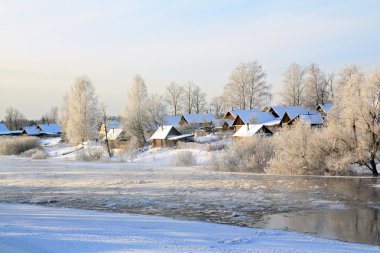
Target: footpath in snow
{"x":28,"y":228}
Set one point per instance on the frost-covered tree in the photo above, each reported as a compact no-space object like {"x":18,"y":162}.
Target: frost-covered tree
{"x":51,"y":116}
{"x":174,"y":97}
{"x":293,"y":92}
{"x":80,"y":112}
{"x":14,"y":119}
{"x":246,"y":87}
{"x":134,"y":113}
{"x":188,"y":96}
{"x":356,"y":125}
{"x":199,"y":102}
{"x":155,"y":110}
{"x":218,"y":107}
{"x":316,"y":88}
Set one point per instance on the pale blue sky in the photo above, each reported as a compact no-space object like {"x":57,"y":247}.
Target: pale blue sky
{"x":44,"y":45}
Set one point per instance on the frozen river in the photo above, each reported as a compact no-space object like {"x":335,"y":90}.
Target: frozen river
{"x":340,"y":208}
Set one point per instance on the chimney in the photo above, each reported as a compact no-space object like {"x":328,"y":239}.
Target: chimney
{"x":248,"y":126}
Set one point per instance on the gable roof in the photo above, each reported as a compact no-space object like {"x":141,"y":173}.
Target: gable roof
{"x":325,"y":107}
{"x":195,"y":118}
{"x":255,"y":117}
{"x":31,"y":130}
{"x":113,"y":123}
{"x":171,"y":120}
{"x":236,"y":112}
{"x":3,"y":128}
{"x":221,"y":122}
{"x":164,"y":132}
{"x":279,"y":111}
{"x":294,"y":113}
{"x":312,"y":119}
{"x":250,"y":130}
{"x":114,"y":133}
{"x":52,"y":128}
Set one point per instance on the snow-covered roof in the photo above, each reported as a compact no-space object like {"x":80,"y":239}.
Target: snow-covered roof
{"x":249,"y":130}
{"x":313,"y":119}
{"x":326,"y":107}
{"x":198,"y":118}
{"x":3,"y":128}
{"x":221,"y":122}
{"x":171,"y":120}
{"x":280,"y":110}
{"x":50,"y":128}
{"x":114,"y":133}
{"x":180,"y":137}
{"x":275,"y":122}
{"x":163,"y":133}
{"x":113,"y":123}
{"x":256,"y":117}
{"x":31,"y":130}
{"x":294,"y":113}
{"x":236,"y":112}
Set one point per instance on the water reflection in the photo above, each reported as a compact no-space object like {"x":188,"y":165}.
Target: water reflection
{"x":353,"y":225}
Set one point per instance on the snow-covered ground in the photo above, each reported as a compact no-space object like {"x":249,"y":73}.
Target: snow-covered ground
{"x":34,"y":229}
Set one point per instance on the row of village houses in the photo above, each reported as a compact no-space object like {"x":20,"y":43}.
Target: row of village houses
{"x":174,"y":129}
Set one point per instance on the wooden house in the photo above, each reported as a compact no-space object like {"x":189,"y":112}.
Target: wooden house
{"x":30,"y":131}
{"x":222,"y":125}
{"x":168,"y":136}
{"x":196,"y":120}
{"x":232,"y":114}
{"x":171,"y":121}
{"x":314,"y":120}
{"x":117,"y":138}
{"x":110,"y":124}
{"x":51,"y":129}
{"x":255,"y":117}
{"x":324,"y":109}
{"x":289,"y":117}
{"x":5,"y":131}
{"x":279,"y":111}
{"x":250,"y":130}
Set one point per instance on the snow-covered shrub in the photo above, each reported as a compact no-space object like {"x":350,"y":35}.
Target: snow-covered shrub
{"x":130,"y":152}
{"x":39,"y":154}
{"x":29,"y":152}
{"x":18,"y":144}
{"x":247,"y":155}
{"x":184,"y":158}
{"x":89,"y":154}
{"x":300,"y":150}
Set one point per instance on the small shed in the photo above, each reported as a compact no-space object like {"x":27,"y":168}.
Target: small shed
{"x":251,"y":130}
{"x":164,"y":137}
